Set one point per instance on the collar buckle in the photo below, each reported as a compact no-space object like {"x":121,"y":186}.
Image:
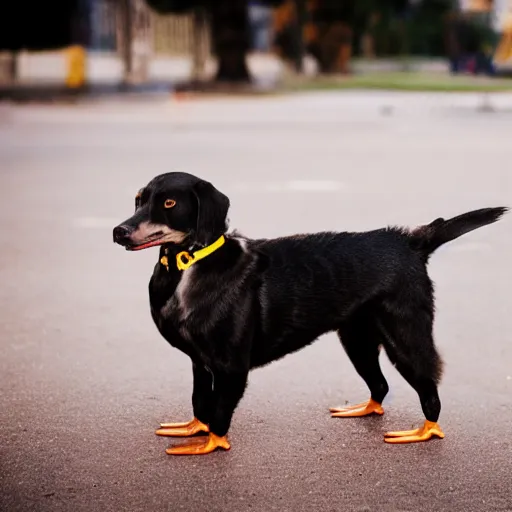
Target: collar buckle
{"x":184,"y":260}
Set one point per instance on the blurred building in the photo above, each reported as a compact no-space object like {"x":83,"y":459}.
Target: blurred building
{"x":99,"y":40}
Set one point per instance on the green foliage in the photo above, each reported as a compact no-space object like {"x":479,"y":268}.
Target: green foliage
{"x":398,"y":27}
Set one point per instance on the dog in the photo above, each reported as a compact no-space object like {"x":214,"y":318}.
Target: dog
{"x":233,"y":304}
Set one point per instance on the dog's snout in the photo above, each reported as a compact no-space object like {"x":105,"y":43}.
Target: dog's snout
{"x":122,"y":234}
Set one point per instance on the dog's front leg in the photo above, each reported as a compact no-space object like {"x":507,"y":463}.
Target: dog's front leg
{"x":228,"y":389}
{"x":202,"y":397}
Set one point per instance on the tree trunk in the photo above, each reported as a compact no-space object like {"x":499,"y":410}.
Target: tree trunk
{"x":125,"y":27}
{"x":199,"y":48}
{"x":230,"y":35}
{"x":301,"y":14}
{"x":14,"y":67}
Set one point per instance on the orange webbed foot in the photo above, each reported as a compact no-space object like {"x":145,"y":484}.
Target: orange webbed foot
{"x":200,"y":446}
{"x":188,"y":429}
{"x":355,"y":411}
{"x":429,"y":430}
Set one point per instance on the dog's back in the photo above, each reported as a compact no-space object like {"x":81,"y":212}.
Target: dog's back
{"x":313,"y":283}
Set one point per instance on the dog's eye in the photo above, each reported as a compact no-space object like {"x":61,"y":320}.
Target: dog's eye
{"x":169,"y":203}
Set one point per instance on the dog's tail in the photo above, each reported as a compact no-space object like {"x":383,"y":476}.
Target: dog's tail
{"x":426,"y":239}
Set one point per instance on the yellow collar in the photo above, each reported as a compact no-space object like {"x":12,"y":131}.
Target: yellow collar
{"x":191,"y":259}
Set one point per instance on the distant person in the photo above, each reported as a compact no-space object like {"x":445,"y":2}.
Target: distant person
{"x":454,"y":36}
{"x":260,"y":23}
{"x":469,"y":44}
{"x":478,"y":45}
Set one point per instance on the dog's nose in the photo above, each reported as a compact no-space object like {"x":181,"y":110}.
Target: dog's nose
{"x":121,"y":234}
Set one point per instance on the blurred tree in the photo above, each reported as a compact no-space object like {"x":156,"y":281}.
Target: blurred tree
{"x":22,"y":25}
{"x":395,"y":27}
{"x":230,"y":31}
{"x":341,"y":27}
{"x":48,"y":25}
{"x":427,"y":29}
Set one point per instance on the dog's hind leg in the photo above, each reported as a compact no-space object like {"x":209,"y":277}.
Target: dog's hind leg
{"x":361,"y":338}
{"x":410,"y":347}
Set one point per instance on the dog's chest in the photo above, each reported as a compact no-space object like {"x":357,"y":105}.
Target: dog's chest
{"x":179,"y":307}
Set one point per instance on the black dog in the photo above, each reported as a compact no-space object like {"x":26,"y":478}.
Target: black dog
{"x":232,"y":304}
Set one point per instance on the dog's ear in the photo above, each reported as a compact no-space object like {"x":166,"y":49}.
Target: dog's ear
{"x":211,"y":213}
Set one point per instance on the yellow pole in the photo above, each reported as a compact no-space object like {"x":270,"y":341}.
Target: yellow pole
{"x":76,"y":60}
{"x":504,"y":50}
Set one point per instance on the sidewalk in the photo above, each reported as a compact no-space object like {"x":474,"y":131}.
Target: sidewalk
{"x":41,"y":76}
{"x":49,"y":68}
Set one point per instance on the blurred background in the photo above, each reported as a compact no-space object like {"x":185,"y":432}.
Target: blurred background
{"x":149,"y":43}
{"x":311,"y":116}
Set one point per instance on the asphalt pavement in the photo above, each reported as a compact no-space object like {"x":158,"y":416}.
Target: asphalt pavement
{"x":85,"y":378}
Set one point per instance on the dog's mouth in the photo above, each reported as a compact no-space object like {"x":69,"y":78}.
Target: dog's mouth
{"x":146,"y":235}
{"x":154,"y":240}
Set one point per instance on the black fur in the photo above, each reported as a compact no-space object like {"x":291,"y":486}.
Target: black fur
{"x":254,"y":301}
{"x":428,"y":238}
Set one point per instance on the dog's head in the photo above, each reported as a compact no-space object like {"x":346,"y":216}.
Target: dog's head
{"x":174,"y":208}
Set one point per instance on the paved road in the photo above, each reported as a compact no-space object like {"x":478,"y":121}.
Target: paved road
{"x":85,"y":377}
